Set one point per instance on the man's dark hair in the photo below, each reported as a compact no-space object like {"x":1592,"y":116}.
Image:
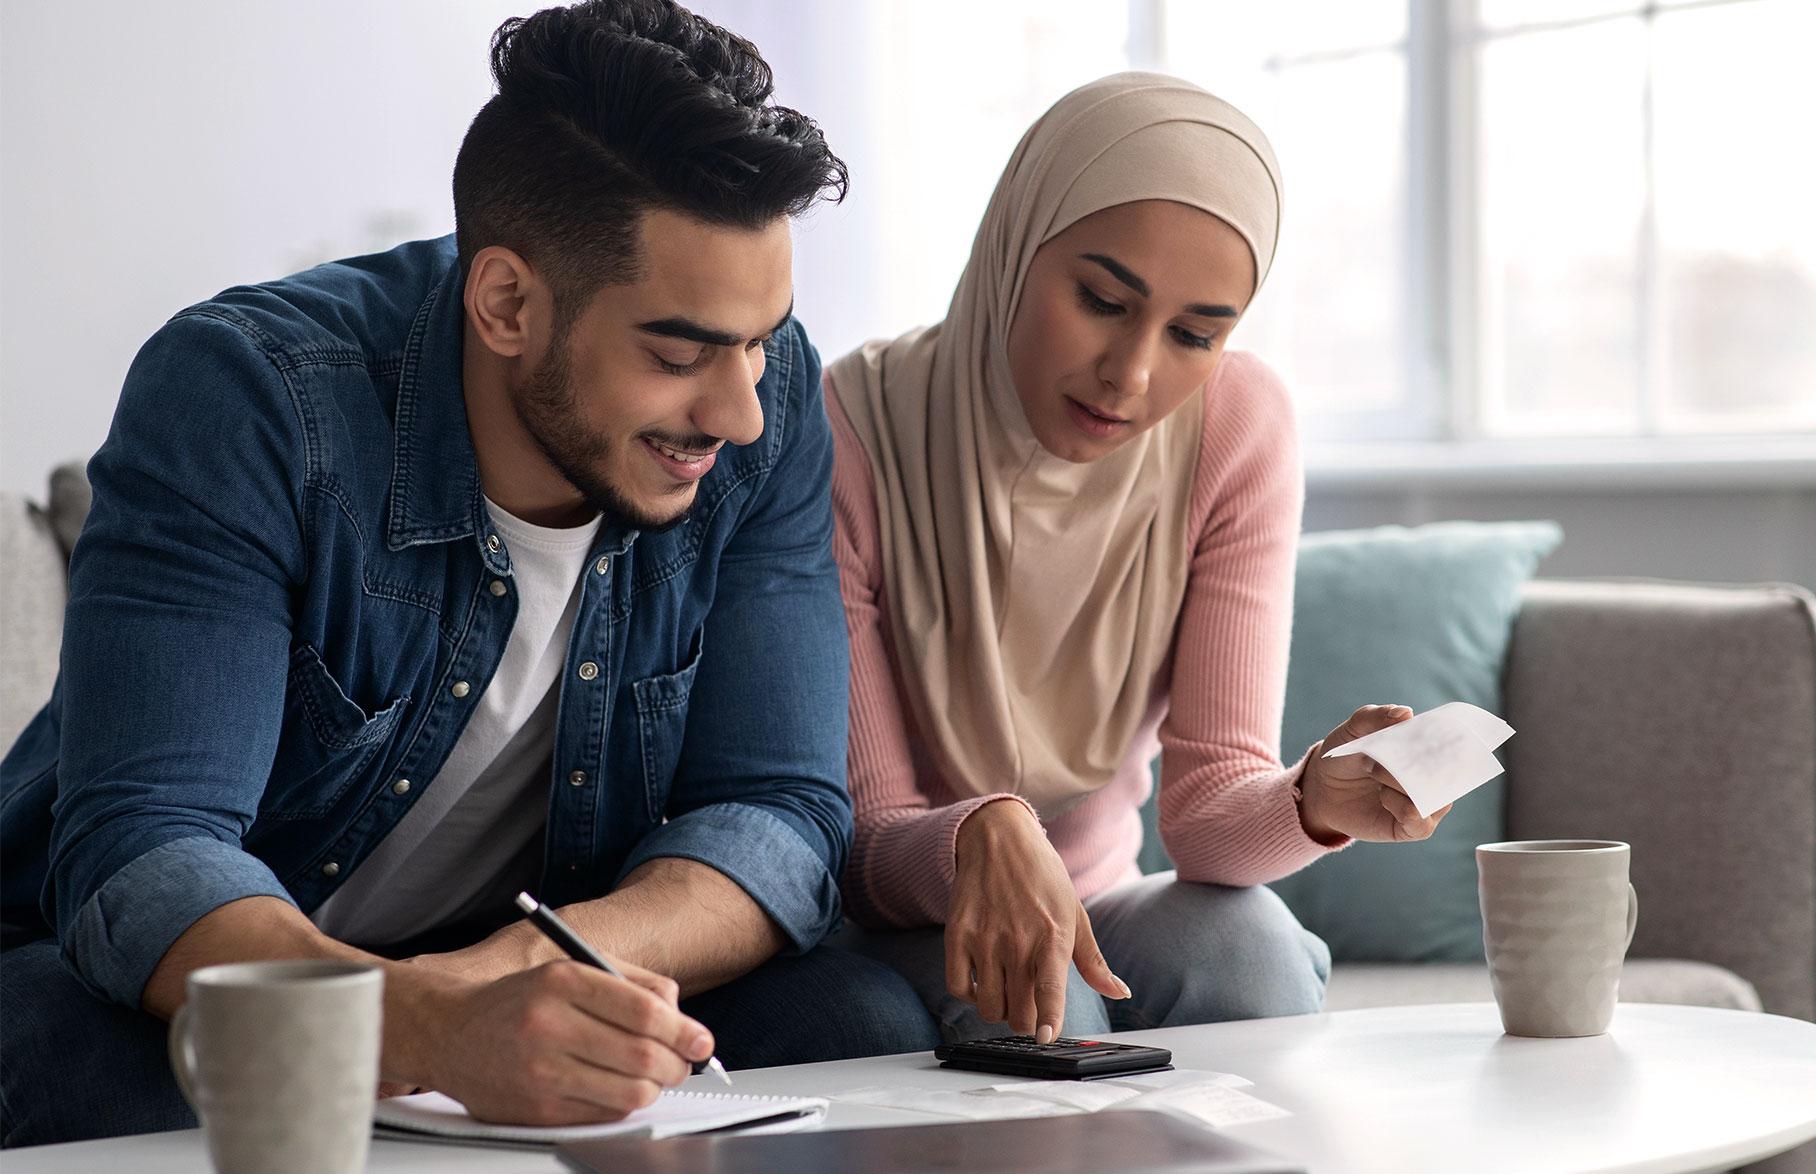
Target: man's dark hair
{"x":610,"y":108}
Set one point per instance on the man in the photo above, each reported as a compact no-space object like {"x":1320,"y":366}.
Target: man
{"x":479,"y":565}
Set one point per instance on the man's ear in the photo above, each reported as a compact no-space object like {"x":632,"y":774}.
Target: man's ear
{"x":507,"y":302}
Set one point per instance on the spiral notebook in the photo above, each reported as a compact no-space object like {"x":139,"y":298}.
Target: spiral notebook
{"x":430,"y":1116}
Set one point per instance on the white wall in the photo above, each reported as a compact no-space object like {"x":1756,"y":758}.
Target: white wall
{"x":152,"y":154}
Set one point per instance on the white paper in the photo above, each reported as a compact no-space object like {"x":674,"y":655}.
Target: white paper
{"x":1195,"y":1092}
{"x":1438,"y":756}
{"x":1084,"y":1095}
{"x":674,"y":1113}
{"x":1174,"y":1077}
{"x":949,"y":1103}
{"x":1216,"y":1105}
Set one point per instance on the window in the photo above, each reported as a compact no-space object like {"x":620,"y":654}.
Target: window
{"x":1531,"y":218}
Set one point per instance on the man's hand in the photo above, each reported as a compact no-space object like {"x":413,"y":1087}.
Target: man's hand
{"x":1015,"y":924}
{"x":563,"y":1044}
{"x":1353,"y":795}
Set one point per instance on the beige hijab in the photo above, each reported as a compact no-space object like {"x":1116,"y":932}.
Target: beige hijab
{"x":1032,"y":601}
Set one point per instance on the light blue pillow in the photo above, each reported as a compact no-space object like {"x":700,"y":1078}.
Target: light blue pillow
{"x":1412,"y":617}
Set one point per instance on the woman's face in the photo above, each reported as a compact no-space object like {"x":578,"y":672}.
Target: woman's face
{"x":1122,"y":316}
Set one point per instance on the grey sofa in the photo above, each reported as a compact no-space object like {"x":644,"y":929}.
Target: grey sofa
{"x":1680,"y":718}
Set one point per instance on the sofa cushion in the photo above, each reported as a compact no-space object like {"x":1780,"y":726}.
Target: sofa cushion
{"x":1681,"y":719}
{"x":31,"y":612}
{"x":1414,"y":617}
{"x":70,"y":497}
{"x":1643,"y":980}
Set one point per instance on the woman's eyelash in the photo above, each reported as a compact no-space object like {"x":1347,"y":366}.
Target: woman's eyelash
{"x":1094,"y":304}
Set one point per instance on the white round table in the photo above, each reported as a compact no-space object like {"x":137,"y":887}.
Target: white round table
{"x":1441,"y":1088}
{"x":1400,"y":1089}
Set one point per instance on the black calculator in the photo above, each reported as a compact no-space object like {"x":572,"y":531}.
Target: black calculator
{"x":1063,"y":1059}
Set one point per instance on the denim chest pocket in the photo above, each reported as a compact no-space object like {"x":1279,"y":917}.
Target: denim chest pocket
{"x":662,"y":727}
{"x":327,"y":741}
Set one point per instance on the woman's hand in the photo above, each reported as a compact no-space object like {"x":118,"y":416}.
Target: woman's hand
{"x":1353,"y":795}
{"x":1016,"y":925}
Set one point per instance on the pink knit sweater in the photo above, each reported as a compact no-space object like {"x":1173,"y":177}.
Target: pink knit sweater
{"x":1227,"y":814}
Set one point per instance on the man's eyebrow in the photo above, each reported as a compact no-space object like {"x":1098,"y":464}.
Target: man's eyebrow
{"x":1123,"y":274}
{"x":688,"y":329}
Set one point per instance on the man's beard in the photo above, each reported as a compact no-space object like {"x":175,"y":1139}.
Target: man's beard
{"x":545,"y":407}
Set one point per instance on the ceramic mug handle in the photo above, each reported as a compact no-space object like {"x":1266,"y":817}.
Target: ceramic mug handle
{"x":1632,"y":915}
{"x":182,"y":1055}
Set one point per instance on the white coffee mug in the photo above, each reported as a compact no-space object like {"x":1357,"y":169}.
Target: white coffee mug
{"x":1557,"y":918}
{"x":280,"y":1062}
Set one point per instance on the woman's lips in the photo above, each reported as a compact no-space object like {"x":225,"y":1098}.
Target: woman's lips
{"x":1092,"y":422}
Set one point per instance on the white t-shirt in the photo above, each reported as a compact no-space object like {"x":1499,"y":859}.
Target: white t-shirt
{"x":475,"y":836}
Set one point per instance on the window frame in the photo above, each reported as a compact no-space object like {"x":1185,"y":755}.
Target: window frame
{"x":1446,"y":403}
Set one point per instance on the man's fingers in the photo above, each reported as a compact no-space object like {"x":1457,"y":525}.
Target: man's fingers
{"x":660,"y":985}
{"x":1089,"y":959}
{"x":597,"y":1044}
{"x":582,"y":1095}
{"x":630,"y":1007}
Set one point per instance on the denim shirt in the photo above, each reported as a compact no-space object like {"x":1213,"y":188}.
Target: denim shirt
{"x":288,"y":599}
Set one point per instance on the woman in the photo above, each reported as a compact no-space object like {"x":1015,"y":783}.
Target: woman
{"x":1066,"y":524}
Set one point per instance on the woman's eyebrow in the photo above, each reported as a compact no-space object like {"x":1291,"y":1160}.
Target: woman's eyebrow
{"x":1119,"y":271}
{"x":1128,"y":277}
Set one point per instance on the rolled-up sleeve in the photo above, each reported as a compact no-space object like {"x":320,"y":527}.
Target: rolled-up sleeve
{"x":175,"y":652}
{"x":759,"y":790}
{"x":764,"y":855}
{"x":120,"y":933}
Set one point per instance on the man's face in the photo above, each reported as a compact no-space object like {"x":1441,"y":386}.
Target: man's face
{"x":653,"y":377}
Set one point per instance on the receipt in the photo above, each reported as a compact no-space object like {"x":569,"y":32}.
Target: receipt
{"x":1213,"y":1098}
{"x":1216,"y":1105}
{"x":1438,"y":756}
{"x":967,"y":1106}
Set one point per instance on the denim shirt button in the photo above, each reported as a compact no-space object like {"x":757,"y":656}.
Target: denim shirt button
{"x":577,"y":779}
{"x":497,"y":588}
{"x":401,"y":787}
{"x":492,"y":543}
{"x":332,"y":868}
{"x":588,"y":670}
{"x":603,"y":565}
{"x":460,"y":689}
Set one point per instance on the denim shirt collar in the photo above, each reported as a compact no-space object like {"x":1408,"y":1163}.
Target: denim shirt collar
{"x":435,"y":493}
{"x":435,"y":489}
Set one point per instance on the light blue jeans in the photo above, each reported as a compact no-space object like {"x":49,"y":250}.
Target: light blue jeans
{"x":1191,"y":953}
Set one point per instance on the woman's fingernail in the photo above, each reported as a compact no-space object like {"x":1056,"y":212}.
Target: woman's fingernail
{"x":1122,"y":986}
{"x":701,"y":1047}
{"x":1044,"y":1035}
